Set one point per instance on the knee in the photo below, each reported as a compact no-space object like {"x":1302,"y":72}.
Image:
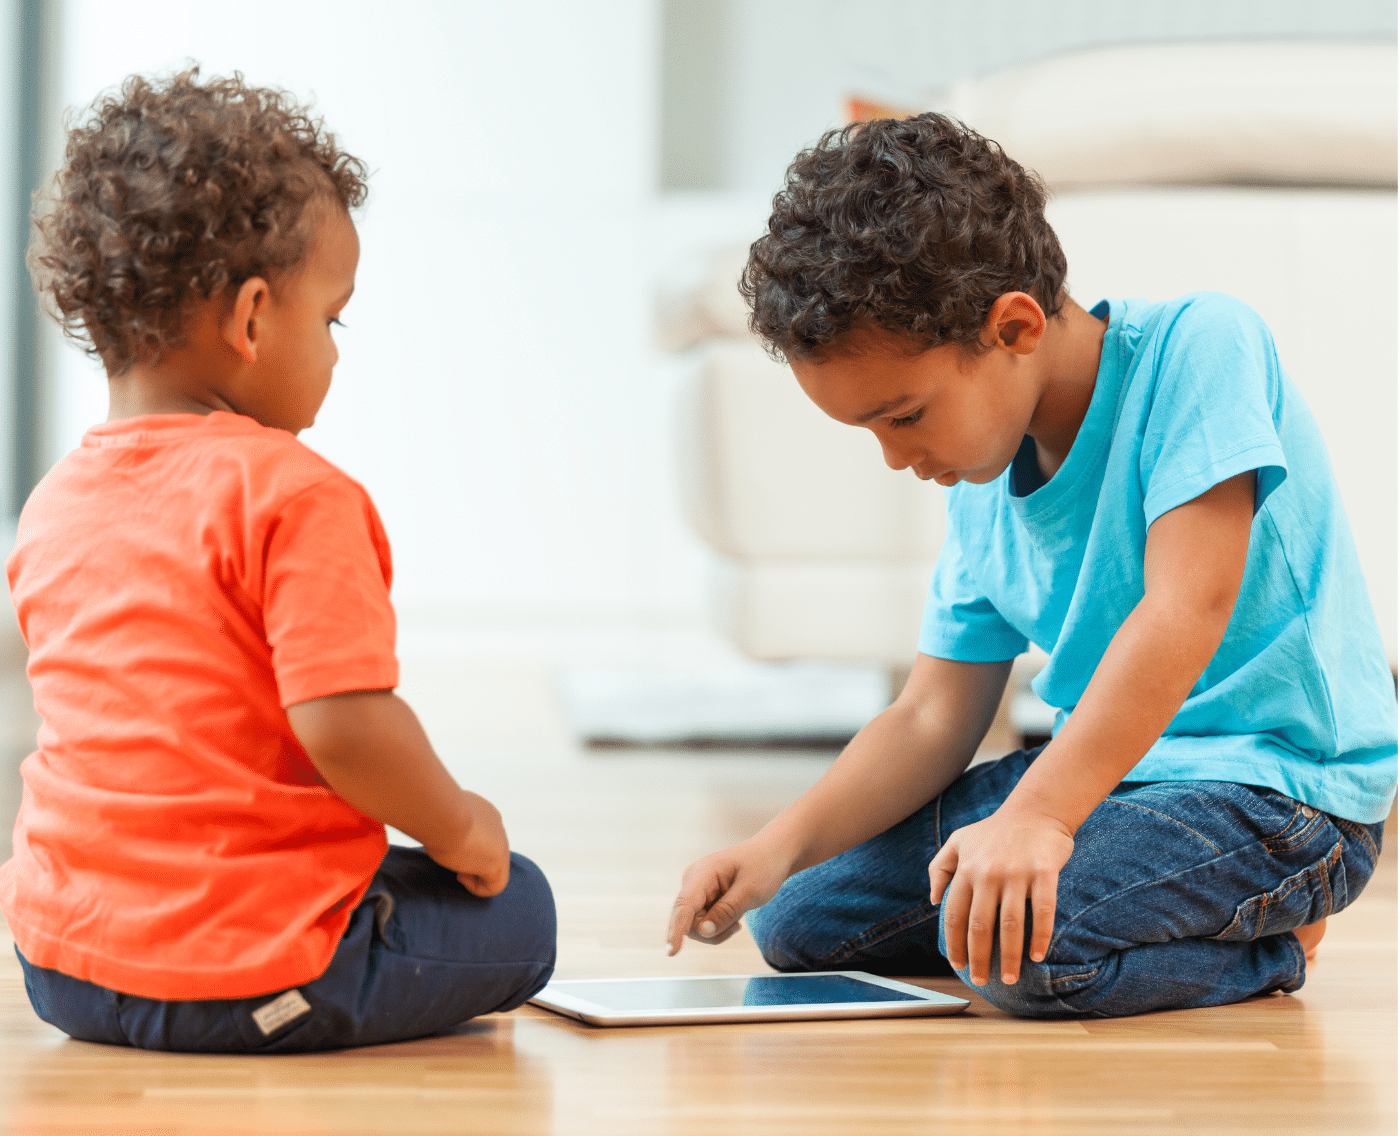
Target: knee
{"x":774,"y":934}
{"x":1032,"y":995}
{"x":787,"y":934}
{"x":531,"y":900}
{"x":1041,"y":990}
{"x":528,"y":881}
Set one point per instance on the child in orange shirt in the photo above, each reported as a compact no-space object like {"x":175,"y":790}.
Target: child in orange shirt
{"x":200,"y":861}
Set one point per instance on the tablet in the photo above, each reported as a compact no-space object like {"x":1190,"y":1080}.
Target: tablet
{"x":742,"y":998}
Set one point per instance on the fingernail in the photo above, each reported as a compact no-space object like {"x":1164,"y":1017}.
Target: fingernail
{"x":707,"y":928}
{"x":1009,"y":979}
{"x":978,"y":981}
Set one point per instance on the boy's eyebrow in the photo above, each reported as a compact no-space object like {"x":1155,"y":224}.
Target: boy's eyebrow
{"x":884,"y":408}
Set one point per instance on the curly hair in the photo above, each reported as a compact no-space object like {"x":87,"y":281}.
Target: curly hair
{"x":175,"y":189}
{"x":915,"y":226}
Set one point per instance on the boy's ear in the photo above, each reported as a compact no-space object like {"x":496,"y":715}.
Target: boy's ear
{"x":239,"y":327}
{"x":1016,"y":321}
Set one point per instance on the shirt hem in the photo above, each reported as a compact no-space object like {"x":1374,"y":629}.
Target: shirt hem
{"x":380,"y":675}
{"x":1309,"y":785}
{"x":172,"y":984}
{"x":1184,"y":489}
{"x":958,"y":650}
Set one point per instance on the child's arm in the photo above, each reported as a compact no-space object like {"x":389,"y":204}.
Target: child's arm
{"x":901,"y":760}
{"x":371,"y":749}
{"x":985,"y":873}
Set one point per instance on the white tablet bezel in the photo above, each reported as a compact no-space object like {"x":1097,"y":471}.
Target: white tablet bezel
{"x":572,"y":1003}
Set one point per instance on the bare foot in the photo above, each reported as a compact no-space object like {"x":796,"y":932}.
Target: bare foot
{"x":1310,"y":936}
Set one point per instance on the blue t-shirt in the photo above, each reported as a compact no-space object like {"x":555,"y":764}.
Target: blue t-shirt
{"x":1189,"y":393}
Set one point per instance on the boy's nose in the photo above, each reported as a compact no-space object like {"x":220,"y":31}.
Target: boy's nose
{"x":897,"y":457}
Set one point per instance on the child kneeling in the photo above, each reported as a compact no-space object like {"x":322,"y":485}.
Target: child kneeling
{"x":1139,"y":490}
{"x":200,"y":861}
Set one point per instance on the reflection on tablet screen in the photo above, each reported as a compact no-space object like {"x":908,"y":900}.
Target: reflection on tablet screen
{"x":775,"y":990}
{"x":816,"y":989}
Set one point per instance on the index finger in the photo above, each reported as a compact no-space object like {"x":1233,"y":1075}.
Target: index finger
{"x":682,"y":916}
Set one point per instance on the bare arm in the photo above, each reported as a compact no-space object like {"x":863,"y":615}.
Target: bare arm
{"x":1193,"y":564}
{"x":371,"y":749}
{"x":901,"y":760}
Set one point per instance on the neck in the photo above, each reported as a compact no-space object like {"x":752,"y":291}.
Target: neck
{"x":1074,"y":340}
{"x":187,"y":379}
{"x":130,"y":396}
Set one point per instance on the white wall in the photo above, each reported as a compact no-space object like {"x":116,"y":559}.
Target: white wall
{"x":497,"y":389}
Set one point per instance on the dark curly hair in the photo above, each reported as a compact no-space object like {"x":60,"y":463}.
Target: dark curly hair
{"x":915,"y":226}
{"x":174,"y":189}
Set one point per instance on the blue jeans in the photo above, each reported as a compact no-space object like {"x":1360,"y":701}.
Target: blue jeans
{"x":421,"y":955}
{"x":1178,"y":894}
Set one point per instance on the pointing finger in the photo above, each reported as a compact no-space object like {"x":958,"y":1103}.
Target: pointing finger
{"x":682,"y":916}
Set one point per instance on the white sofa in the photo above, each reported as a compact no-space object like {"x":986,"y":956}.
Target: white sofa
{"x":1263,"y":170}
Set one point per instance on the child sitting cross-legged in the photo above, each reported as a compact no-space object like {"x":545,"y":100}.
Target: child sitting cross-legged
{"x":200,"y":860}
{"x":1139,"y":490}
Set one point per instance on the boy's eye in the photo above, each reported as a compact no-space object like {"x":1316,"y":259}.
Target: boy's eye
{"x":908,"y":419}
{"x":335,"y":322}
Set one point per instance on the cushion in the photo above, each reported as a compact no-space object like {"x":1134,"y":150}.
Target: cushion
{"x":1283,"y":112}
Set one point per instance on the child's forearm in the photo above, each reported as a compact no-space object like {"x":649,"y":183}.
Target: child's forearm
{"x":1193,"y":567}
{"x":1145,"y":676}
{"x":371,"y":749}
{"x":899,"y":761}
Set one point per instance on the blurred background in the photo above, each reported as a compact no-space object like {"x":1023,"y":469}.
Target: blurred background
{"x":528,"y":385}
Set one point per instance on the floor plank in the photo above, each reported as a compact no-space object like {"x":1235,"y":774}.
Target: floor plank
{"x":613,"y":831}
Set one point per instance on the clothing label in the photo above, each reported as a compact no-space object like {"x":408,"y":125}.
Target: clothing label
{"x":281,"y":1010}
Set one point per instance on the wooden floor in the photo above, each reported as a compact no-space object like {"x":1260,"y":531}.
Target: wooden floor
{"x":612,"y":832}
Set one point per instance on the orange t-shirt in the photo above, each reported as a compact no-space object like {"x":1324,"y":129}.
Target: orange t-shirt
{"x":181,"y":579}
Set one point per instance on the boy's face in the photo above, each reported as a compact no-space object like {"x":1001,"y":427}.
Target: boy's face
{"x":296,"y":352}
{"x":945,"y":413}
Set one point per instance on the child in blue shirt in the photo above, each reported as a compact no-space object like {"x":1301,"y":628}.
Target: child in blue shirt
{"x":1139,"y":490}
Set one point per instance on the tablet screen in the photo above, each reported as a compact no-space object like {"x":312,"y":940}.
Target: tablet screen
{"x":707,"y":993}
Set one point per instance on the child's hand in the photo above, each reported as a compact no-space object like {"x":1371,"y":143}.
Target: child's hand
{"x":481,"y":859}
{"x":996,"y":865}
{"x":716,"y":891}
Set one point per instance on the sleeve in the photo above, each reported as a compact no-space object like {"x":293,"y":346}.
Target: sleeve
{"x":960,"y":622}
{"x":326,"y":609}
{"x":1212,"y":413}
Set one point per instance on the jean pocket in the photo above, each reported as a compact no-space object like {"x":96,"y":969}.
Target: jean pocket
{"x":1364,"y":840}
{"x":1303,"y":898}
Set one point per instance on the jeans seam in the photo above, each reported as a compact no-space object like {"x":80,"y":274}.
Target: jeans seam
{"x":892,"y":926}
{"x":1164,"y":816}
{"x":1074,"y":977}
{"x":1285,"y":841}
{"x":116,"y":1004}
{"x":1267,"y":899}
{"x":1358,"y":832}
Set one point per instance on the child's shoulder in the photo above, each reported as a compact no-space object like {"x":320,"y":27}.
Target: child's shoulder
{"x":1205,"y":314}
{"x":226,"y":446}
{"x":235,"y":463}
{"x":269,"y":469}
{"x":272,"y":452}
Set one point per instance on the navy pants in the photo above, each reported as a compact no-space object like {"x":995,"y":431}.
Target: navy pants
{"x":1178,"y":894}
{"x":421,"y":955}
